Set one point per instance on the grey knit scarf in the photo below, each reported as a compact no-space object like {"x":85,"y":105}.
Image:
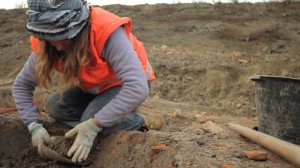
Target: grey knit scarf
{"x":54,"y":20}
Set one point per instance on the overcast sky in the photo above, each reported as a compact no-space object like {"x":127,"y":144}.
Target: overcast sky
{"x":9,"y":4}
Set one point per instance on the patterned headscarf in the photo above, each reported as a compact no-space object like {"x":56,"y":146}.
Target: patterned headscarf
{"x":55,"y":20}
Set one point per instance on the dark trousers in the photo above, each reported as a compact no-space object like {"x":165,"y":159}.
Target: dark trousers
{"x":77,"y":106}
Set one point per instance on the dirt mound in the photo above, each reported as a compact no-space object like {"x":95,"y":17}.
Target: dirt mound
{"x":203,"y":56}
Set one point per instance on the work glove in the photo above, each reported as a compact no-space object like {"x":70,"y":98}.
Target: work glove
{"x":86,"y":133}
{"x":39,"y":135}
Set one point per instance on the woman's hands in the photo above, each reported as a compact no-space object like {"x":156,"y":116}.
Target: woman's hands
{"x":86,"y":133}
{"x":39,"y":135}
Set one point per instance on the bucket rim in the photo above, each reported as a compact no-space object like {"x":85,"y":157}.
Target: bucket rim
{"x":258,"y":77}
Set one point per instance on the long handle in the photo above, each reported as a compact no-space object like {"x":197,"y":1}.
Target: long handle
{"x":285,"y":149}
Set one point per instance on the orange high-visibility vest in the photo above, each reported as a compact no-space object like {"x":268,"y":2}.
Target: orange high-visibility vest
{"x":98,"y":76}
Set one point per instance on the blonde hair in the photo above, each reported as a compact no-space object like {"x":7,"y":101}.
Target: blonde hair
{"x":76,"y":58}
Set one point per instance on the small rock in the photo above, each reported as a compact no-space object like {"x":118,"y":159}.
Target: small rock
{"x":241,"y":61}
{"x":236,"y":54}
{"x":164,"y":47}
{"x":207,"y":118}
{"x":226,"y":165}
{"x":156,"y":149}
{"x":200,"y":142}
{"x":237,"y":154}
{"x":239,"y":105}
{"x":256,"y":155}
{"x":198,"y":115}
{"x":210,"y":127}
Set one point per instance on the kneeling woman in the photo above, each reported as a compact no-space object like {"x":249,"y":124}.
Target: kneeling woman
{"x":105,"y":72}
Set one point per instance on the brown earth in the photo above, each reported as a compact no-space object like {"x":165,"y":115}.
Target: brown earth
{"x":204,"y":56}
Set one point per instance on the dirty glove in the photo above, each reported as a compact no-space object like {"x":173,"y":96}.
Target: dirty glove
{"x":39,"y":135}
{"x":86,"y":133}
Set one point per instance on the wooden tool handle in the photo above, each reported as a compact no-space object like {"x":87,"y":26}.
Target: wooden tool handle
{"x":285,"y":149}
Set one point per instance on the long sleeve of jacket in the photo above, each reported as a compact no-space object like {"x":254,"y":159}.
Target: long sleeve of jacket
{"x":121,"y":56}
{"x":23,"y":88}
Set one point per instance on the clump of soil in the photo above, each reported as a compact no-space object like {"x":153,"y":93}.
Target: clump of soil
{"x":61,"y":145}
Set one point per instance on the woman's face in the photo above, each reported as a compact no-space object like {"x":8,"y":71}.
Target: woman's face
{"x":62,"y":45}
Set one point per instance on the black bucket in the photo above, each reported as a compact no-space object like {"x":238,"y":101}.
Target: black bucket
{"x":278,"y":106}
